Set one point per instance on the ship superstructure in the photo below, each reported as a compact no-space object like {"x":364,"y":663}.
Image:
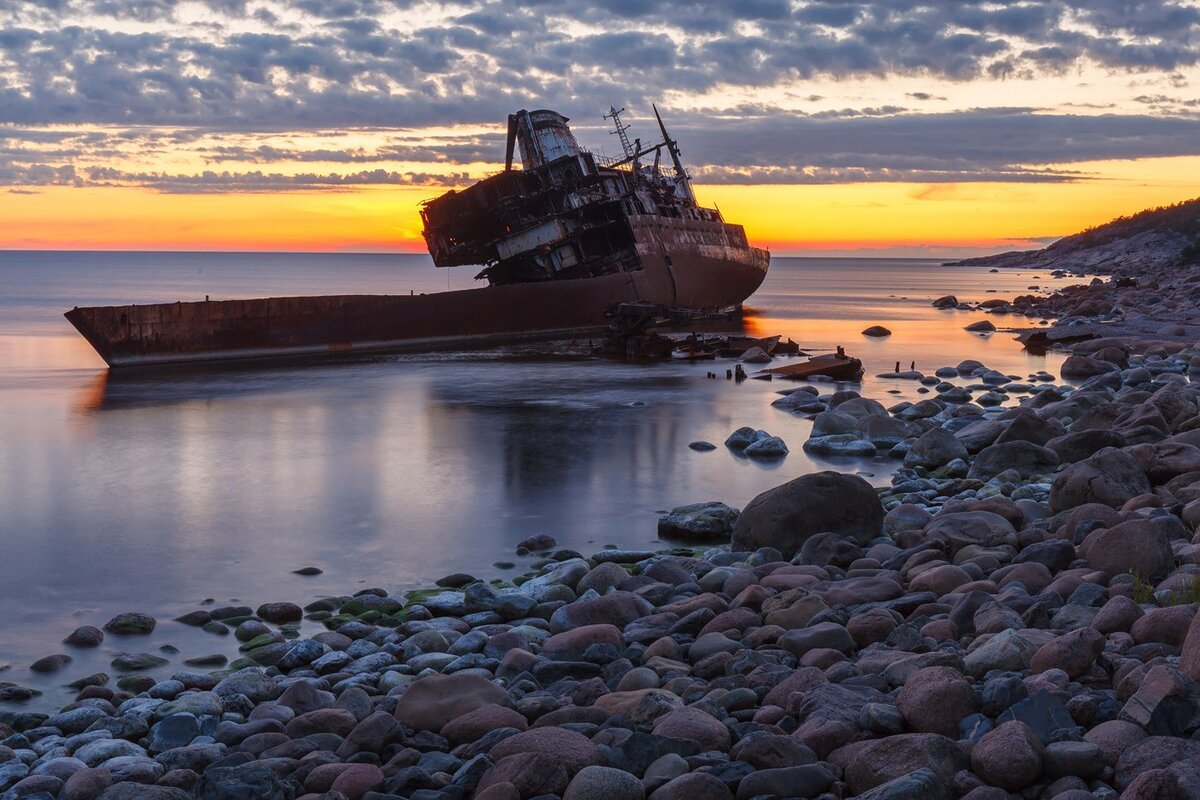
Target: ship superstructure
{"x":566,"y":212}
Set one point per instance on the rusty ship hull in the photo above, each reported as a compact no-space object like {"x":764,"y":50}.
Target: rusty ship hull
{"x":565,"y":241}
{"x":699,"y":276}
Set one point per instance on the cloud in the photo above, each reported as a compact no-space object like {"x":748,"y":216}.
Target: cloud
{"x":996,"y":144}
{"x":271,"y":65}
{"x":256,"y":181}
{"x":95,"y":85}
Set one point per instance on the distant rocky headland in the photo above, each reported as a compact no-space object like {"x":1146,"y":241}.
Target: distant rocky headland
{"x":1152,"y":297}
{"x":1157,"y":238}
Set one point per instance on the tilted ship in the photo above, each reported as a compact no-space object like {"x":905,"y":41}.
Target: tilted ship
{"x":567,"y":241}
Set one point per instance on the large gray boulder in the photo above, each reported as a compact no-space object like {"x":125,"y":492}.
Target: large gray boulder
{"x":965,"y":528}
{"x":1027,"y":458}
{"x":1110,"y":477}
{"x":1141,"y":546}
{"x":934,"y":448}
{"x":786,"y":516}
{"x":711,"y":520}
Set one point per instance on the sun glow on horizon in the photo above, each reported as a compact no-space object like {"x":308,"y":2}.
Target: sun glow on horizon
{"x":939,"y":219}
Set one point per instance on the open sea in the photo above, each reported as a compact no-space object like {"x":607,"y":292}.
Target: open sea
{"x":155,"y":490}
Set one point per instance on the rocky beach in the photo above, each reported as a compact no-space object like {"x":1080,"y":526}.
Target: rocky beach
{"x":1014,"y":616}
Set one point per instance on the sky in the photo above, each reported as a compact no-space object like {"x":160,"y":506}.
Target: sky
{"x":872,"y":127}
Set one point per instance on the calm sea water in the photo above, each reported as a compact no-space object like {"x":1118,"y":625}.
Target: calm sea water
{"x":155,"y":490}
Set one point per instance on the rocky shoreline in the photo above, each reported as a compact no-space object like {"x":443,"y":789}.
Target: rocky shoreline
{"x":1013,"y":617}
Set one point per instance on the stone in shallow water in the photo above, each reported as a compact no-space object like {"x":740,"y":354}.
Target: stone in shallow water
{"x":131,"y":623}
{"x":767,"y":447}
{"x":131,"y":662}
{"x":85,"y":636}
{"x":280,"y":613}
{"x":743,"y":438}
{"x":712,"y":520}
{"x":702,"y":446}
{"x":50,"y":663}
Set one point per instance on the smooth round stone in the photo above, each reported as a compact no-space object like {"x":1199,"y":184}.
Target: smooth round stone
{"x":131,"y":623}
{"x":48,"y":664}
{"x":604,"y":783}
{"x":132,"y":662}
{"x":638,"y":678}
{"x":280,"y":613}
{"x":85,"y":636}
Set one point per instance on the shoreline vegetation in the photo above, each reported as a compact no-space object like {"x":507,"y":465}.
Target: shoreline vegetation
{"x":1014,"y":616}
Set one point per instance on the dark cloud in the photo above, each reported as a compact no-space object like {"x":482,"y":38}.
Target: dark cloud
{"x":353,"y":63}
{"x":311,"y":66}
{"x":474,"y":150}
{"x":994,"y":142}
{"x":745,"y":145}
{"x":256,"y":181}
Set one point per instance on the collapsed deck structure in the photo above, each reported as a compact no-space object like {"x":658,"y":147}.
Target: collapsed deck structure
{"x":564,"y":241}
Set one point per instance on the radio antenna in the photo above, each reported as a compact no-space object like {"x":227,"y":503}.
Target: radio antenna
{"x":614,"y":114}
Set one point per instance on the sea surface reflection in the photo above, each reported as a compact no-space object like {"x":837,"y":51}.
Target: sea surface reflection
{"x":153,"y":490}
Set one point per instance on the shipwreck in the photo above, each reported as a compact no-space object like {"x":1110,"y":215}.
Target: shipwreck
{"x":565,"y":239}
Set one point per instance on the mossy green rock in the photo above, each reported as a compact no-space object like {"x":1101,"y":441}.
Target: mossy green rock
{"x":132,"y":623}
{"x":132,"y":662}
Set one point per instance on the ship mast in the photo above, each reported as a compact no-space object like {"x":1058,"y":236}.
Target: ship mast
{"x":683,"y":185}
{"x":621,"y":131}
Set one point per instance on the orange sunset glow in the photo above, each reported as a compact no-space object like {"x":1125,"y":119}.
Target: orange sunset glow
{"x":940,"y":219}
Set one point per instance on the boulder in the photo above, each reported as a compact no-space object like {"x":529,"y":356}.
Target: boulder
{"x":1137,"y":545}
{"x":755,"y":355}
{"x":573,"y":750}
{"x":870,"y":763}
{"x":131,"y":623}
{"x":1075,"y":367}
{"x":965,"y":528}
{"x":809,"y":780}
{"x":1074,"y":653}
{"x":604,"y":783}
{"x":935,"y":700}
{"x":528,"y":774}
{"x":786,"y":516}
{"x":1010,"y":756}
{"x":709,"y":521}
{"x":614,"y":608}
{"x":1110,"y":477}
{"x":934,"y":448}
{"x":431,"y":702}
{"x":1081,"y":445}
{"x":1027,"y":458}
{"x":694,"y":725}
{"x":693,"y":786}
{"x":1189,"y":658}
{"x":475,"y":724}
